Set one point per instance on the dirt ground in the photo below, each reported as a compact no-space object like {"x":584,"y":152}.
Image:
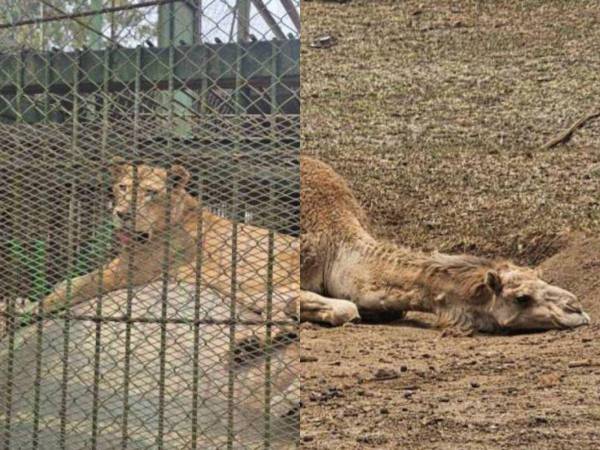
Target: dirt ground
{"x":435,"y":113}
{"x":405,"y":386}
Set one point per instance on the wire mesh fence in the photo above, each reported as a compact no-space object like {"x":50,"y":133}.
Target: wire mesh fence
{"x":149,"y":211}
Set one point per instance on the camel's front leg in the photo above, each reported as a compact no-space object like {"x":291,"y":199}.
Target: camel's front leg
{"x":381,"y":303}
{"x":332,"y":311}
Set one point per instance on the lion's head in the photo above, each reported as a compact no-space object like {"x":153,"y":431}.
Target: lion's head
{"x":141,"y":200}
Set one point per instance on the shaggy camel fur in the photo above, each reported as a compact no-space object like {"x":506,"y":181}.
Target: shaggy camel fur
{"x":347,"y":274}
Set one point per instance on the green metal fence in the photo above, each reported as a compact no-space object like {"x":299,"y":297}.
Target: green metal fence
{"x":149,"y":210}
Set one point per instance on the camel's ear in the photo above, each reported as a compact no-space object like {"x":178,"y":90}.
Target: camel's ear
{"x":179,"y":176}
{"x":118,"y":167}
{"x":493,"y":281}
{"x":480,"y":294}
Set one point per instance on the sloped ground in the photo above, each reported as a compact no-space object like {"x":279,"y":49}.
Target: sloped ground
{"x":577,"y":268}
{"x":435,"y":112}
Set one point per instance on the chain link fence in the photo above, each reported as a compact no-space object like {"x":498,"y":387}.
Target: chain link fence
{"x":149,"y":212}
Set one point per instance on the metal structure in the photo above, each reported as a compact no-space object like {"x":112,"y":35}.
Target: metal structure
{"x":168,"y":362}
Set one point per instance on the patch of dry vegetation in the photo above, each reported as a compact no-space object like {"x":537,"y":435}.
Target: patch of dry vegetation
{"x":436,"y":111}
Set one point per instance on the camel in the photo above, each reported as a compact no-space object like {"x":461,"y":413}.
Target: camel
{"x":347,"y":274}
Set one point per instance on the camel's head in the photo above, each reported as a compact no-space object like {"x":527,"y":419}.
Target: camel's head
{"x":141,"y":200}
{"x":515,"y":298}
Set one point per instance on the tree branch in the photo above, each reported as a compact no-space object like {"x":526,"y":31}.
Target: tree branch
{"x":566,"y":135}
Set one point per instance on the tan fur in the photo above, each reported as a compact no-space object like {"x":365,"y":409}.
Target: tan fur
{"x":346,"y":267}
{"x":170,"y":218}
{"x":194,"y":234}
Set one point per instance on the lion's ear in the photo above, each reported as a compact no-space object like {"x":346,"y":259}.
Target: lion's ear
{"x":118,"y":167}
{"x":179,"y":176}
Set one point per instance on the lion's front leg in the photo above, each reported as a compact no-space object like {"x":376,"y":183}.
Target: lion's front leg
{"x":82,"y":288}
{"x":136,"y":269}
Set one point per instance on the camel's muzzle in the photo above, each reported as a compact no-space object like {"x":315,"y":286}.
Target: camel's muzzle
{"x":574,"y":319}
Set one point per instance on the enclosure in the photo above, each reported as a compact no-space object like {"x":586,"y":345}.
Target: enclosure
{"x":148,"y":224}
{"x":436,"y":114}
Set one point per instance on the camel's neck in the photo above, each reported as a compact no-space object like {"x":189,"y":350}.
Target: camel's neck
{"x":382,"y":276}
{"x":369,"y":272}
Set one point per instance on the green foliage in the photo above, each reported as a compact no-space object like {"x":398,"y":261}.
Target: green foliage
{"x":127,"y":28}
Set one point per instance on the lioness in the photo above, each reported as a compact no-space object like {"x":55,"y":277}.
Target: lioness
{"x":153,"y":220}
{"x":168,"y":241}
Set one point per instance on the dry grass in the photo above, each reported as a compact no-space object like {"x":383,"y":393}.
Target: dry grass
{"x":435,"y":112}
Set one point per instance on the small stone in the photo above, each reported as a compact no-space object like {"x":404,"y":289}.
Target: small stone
{"x":474,"y":384}
{"x":324,"y":41}
{"x":307,"y":358}
{"x":539,"y":420}
{"x":403,"y":368}
{"x":373,"y":439}
{"x":308,"y":438}
{"x":581,"y":363}
{"x":384,"y":373}
{"x":332,"y":392}
{"x":384,"y":411}
{"x":430,"y":421}
{"x":549,"y":379}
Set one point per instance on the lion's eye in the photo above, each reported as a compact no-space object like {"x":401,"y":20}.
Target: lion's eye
{"x":151,"y":193}
{"x":122,"y":187}
{"x":523,"y":300}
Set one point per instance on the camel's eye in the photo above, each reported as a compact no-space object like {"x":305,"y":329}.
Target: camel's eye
{"x":523,"y":300}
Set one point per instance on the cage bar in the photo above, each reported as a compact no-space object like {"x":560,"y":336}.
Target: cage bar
{"x":22,"y":74}
{"x":130,"y":361}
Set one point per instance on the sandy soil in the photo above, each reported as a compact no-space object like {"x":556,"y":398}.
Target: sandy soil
{"x":435,"y":113}
{"x":405,"y":386}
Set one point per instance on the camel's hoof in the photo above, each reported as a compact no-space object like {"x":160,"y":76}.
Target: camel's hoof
{"x":344,"y":313}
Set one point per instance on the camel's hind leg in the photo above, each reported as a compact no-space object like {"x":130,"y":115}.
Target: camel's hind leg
{"x":332,"y":311}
